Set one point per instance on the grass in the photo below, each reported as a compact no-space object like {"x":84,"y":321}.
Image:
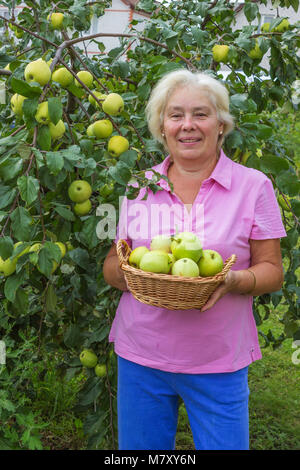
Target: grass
{"x":274,"y":402}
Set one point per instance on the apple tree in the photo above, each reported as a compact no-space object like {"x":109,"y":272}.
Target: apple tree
{"x":73,"y":134}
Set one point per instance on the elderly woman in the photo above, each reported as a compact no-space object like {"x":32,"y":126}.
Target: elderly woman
{"x":199,"y":357}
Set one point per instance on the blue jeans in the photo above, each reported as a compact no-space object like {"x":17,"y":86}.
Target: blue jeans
{"x":148,"y":400}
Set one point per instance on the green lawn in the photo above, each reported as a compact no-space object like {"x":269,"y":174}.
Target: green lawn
{"x":274,"y":402}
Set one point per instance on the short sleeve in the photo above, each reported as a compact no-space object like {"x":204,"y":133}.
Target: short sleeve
{"x":267,"y":221}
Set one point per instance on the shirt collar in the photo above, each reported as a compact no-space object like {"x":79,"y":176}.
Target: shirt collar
{"x":222,"y":172}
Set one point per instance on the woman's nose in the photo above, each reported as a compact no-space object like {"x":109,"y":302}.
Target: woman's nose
{"x":188,"y":122}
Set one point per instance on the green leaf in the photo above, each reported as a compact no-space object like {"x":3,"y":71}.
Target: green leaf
{"x":7,"y":195}
{"x":12,"y":284}
{"x":44,"y":138}
{"x":55,"y":109}
{"x":10,"y":167}
{"x":55,"y":162}
{"x":88,"y":234}
{"x":75,"y":90}
{"x":273,"y":164}
{"x":6,"y":247}
{"x":73,"y":336}
{"x":29,"y":111}
{"x":80,"y":257}
{"x":23,"y":88}
{"x":29,"y":188}
{"x":65,"y":213}
{"x":21,"y":223}
{"x":251,"y":11}
{"x":51,"y":299}
{"x":120,"y":173}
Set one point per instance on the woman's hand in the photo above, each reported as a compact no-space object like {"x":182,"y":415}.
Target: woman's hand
{"x":226,"y":286}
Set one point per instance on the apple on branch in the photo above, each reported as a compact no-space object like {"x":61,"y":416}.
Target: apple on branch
{"x":16,"y":103}
{"x":113,"y":104}
{"x":37,"y":71}
{"x":102,"y":128}
{"x":86,"y":78}
{"x":42,"y":114}
{"x":220,"y":52}
{"x":56,"y":20}
{"x":79,"y":191}
{"x":117,"y":145}
{"x":88,"y":358}
{"x":62,"y":76}
{"x":83,"y":208}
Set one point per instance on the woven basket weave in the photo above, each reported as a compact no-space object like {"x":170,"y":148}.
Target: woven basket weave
{"x":166,"y":290}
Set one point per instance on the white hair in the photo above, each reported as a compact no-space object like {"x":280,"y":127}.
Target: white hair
{"x":216,"y":92}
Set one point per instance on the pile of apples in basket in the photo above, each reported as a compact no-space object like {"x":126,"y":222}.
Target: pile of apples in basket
{"x":179,"y":255}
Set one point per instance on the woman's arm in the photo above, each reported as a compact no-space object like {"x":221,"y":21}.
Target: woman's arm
{"x":266,"y":273}
{"x":112,"y":272}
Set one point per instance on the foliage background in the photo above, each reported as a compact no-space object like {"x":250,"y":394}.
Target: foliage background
{"x":44,"y":315}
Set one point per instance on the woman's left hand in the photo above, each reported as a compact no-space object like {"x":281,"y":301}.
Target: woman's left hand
{"x":226,"y":286}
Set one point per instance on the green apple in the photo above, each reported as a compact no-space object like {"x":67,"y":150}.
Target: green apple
{"x":172,"y":260}
{"x":245,"y":156}
{"x":90,"y":131}
{"x":256,"y":53}
{"x":62,"y":76}
{"x":284,"y":204}
{"x":265,"y":28}
{"x":113,"y":104}
{"x":186,"y":245}
{"x":155,"y":262}
{"x":102,"y":128}
{"x":101,"y":97}
{"x":26,"y":250}
{"x":56,"y":20}
{"x":35,"y":247}
{"x":83,"y":208}
{"x":62,"y":248}
{"x":283,"y":26}
{"x":8,"y":266}
{"x":161,"y":242}
{"x":57,"y":130}
{"x":88,"y":358}
{"x":117,"y":145}
{"x":220,"y":52}
{"x":185,"y":267}
{"x":136,"y":256}
{"x":42,"y":114}
{"x":100,"y":370}
{"x":16,"y":103}
{"x":211,"y":263}
{"x":86,"y":78}
{"x":37,"y":71}
{"x":107,"y":189}
{"x":79,"y":191}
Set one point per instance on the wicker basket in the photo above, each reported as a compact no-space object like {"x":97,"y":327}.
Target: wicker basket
{"x":166,"y":290}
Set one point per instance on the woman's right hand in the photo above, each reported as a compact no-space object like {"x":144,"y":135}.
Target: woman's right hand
{"x":113,"y":274}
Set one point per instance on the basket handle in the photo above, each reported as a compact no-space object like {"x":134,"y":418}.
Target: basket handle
{"x":123,"y":251}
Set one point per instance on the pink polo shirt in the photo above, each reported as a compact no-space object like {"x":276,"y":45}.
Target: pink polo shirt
{"x":233,"y":205}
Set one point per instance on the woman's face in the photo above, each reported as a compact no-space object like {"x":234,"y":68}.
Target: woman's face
{"x":190,"y":125}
